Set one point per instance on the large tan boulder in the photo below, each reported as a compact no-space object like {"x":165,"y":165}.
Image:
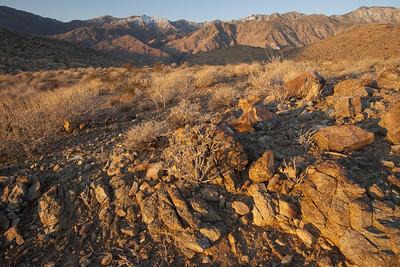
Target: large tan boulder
{"x":391,"y":121}
{"x":389,"y":79}
{"x":343,"y":138}
{"x":263,"y":169}
{"x":351,"y":88}
{"x":307,"y":85}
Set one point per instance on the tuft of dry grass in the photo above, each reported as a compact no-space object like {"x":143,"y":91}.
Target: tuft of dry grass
{"x":38,"y":117}
{"x":141,"y":136}
{"x":270,"y":80}
{"x":165,"y":87}
{"x":223,"y":97}
{"x":184,"y":113}
{"x":208,"y":76}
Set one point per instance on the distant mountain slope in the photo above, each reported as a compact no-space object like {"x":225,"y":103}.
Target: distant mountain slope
{"x":149,"y":39}
{"x":289,"y":30}
{"x":25,"y":22}
{"x":371,"y":41}
{"x":30,"y":53}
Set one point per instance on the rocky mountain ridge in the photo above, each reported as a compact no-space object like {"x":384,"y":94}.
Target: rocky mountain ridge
{"x":157,"y":39}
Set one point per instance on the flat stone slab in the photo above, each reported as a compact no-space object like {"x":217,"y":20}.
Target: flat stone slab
{"x":343,"y":138}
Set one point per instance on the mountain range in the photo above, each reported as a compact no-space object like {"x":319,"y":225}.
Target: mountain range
{"x":148,"y":39}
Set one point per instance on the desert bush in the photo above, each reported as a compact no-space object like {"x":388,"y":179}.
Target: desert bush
{"x":184,"y":113}
{"x":243,"y":69}
{"x":223,"y":97}
{"x":142,"y":136}
{"x":270,"y":81}
{"x":208,"y":76}
{"x":39,"y":117}
{"x":193,"y":152}
{"x":165,"y":87}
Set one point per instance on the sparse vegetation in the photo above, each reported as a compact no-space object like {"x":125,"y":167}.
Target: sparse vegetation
{"x":270,"y":81}
{"x":39,"y":116}
{"x":184,"y":113}
{"x":223,"y":97}
{"x":166,"y":86}
{"x":193,"y":152}
{"x":142,"y":136}
{"x":208,"y":76}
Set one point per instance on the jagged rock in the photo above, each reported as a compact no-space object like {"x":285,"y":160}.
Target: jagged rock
{"x":263,"y":169}
{"x":287,"y":209}
{"x":391,"y":122}
{"x":253,"y":111}
{"x":12,"y":234}
{"x":16,"y":196}
{"x":155,"y":171}
{"x":101,"y":193}
{"x":346,"y":107}
{"x":49,"y":209}
{"x":305,"y":236}
{"x":182,"y":208}
{"x":365,"y":230}
{"x":192,"y":242}
{"x":343,"y":138}
{"x":351,"y":88}
{"x":240,"y":207}
{"x":308,"y":84}
{"x":389,"y":79}
{"x":212,"y":233}
{"x":359,"y":250}
{"x":170,"y":217}
{"x":264,"y":209}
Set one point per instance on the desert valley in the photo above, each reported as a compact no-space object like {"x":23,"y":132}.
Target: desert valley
{"x":272,"y":140}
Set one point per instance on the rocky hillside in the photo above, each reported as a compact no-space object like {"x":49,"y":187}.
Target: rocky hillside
{"x":30,"y":53}
{"x":374,"y":41}
{"x":305,"y":175}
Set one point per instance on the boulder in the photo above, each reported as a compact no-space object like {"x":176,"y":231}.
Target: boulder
{"x":346,"y":107}
{"x":308,"y":85}
{"x":351,"y":88}
{"x":253,"y":111}
{"x":264,"y":209}
{"x":391,"y":121}
{"x":343,"y":138}
{"x":263,"y":169}
{"x":389,"y":79}
{"x":363,"y":228}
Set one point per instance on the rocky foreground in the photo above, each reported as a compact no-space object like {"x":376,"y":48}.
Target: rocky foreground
{"x":311,"y":181}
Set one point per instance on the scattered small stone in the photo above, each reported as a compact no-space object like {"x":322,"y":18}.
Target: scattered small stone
{"x":287,"y":259}
{"x":240,"y":207}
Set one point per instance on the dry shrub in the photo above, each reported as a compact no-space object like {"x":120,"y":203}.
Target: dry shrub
{"x":223,"y":97}
{"x":184,"y":113}
{"x":38,"y":117}
{"x":193,"y":152}
{"x":144,"y":135}
{"x":208,"y":76}
{"x":243,"y":69}
{"x":270,"y":80}
{"x":165,"y":87}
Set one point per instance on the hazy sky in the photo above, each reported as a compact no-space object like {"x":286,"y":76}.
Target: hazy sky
{"x":195,"y":10}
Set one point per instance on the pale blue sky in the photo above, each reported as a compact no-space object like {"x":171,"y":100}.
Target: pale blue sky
{"x":195,"y":10}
